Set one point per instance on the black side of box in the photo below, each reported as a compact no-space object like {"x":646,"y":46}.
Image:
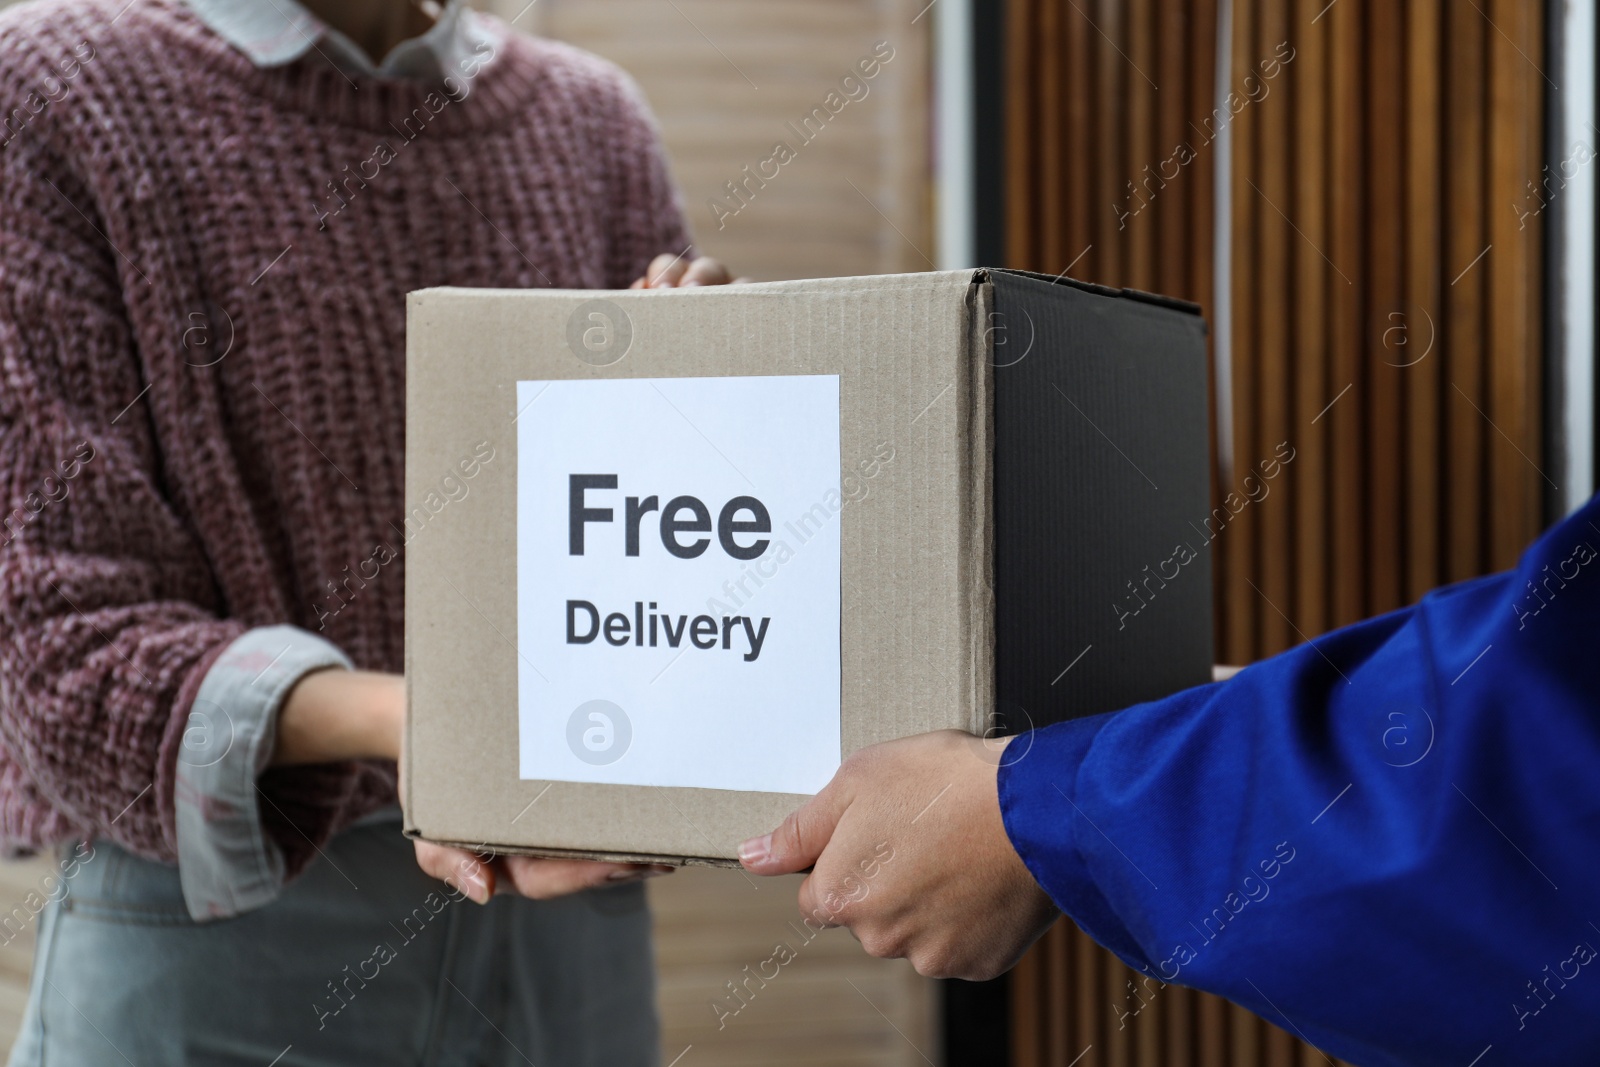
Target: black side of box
{"x":1101,"y":495}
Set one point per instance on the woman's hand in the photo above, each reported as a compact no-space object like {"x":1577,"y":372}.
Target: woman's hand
{"x":528,"y":876}
{"x":334,"y":715}
{"x":908,"y":850}
{"x":667,"y":271}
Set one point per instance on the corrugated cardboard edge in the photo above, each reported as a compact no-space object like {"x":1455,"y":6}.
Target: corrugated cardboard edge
{"x":584,"y":854}
{"x":979,"y":496}
{"x":403,"y":786}
{"x":1172,"y":303}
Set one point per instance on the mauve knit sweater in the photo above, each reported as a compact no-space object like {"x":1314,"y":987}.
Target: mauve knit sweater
{"x":202,"y":414}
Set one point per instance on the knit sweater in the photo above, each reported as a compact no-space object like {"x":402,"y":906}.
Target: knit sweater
{"x":203,"y":268}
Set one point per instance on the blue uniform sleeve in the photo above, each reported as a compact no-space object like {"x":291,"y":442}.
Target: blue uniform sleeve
{"x":1386,"y":841}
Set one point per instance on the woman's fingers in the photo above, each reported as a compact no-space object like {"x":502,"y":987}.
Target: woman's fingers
{"x":706,"y":271}
{"x":665,"y":271}
{"x":528,"y":876}
{"x":668,"y":271}
{"x":541,"y":879}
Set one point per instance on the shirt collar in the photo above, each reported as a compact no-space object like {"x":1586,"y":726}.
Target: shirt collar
{"x":273,"y":33}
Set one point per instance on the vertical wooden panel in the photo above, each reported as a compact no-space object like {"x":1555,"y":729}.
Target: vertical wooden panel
{"x":1242,"y":606}
{"x":1052,"y":172}
{"x":1111,"y":170}
{"x":1383,"y":294}
{"x":1139,"y":77}
{"x":1306,"y":80}
{"x":1211,"y":1033}
{"x":1244,"y":1036}
{"x":1150,"y":1026}
{"x":1172,"y":72}
{"x":1025,"y":137}
{"x":1178,"y":1040}
{"x":1347,"y":506}
{"x":1271,"y":301}
{"x":1177,"y":1024}
{"x":1064,"y":1031}
{"x":1031,"y":1016}
{"x":1116,"y":1049}
{"x":1279,"y":1047}
{"x":1082,"y":46}
{"x":1420,"y":354}
{"x":1515,"y":86}
{"x":1090,"y":997}
{"x":1465,"y":247}
{"x":1147,"y":1031}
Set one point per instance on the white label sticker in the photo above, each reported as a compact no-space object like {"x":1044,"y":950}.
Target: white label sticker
{"x":678,"y":581}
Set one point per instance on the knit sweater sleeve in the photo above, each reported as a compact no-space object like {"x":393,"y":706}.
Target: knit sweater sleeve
{"x":109,"y":617}
{"x":646,"y":217}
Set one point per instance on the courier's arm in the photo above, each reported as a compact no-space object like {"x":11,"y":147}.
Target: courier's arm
{"x":1387,"y":841}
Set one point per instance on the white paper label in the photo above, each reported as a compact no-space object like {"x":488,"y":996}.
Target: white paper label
{"x":678,"y":581}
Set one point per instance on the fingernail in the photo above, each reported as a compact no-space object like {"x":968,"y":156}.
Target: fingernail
{"x":480,"y":888}
{"x":756,"y":850}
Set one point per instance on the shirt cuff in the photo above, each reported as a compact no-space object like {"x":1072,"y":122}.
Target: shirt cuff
{"x":226,"y":862}
{"x":1039,"y":804}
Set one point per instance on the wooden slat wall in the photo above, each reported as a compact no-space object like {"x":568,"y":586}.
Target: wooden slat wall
{"x":1368,"y":177}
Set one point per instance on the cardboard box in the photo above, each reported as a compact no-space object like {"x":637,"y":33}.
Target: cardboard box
{"x":673,"y":554}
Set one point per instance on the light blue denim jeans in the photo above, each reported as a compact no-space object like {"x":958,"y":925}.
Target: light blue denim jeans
{"x":363,"y":960}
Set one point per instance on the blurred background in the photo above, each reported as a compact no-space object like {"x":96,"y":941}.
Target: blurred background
{"x":1385,"y":209}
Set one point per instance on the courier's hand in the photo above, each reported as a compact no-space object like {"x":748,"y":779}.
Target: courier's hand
{"x":909,"y":852}
{"x":335,"y":715}
{"x":668,"y":271}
